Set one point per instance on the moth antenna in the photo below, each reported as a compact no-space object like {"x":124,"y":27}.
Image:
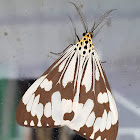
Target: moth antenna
{"x":98,"y":30}
{"x":100,"y":20}
{"x":74,"y":30}
{"x":83,"y":20}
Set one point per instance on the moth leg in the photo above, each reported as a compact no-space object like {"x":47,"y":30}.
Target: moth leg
{"x":62,"y":51}
{"x":103,"y":62}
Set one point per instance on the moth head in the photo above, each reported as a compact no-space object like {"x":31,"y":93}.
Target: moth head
{"x":96,"y":23}
{"x":88,"y":35}
{"x":85,"y":45}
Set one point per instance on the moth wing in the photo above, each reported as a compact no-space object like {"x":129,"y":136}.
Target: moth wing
{"x":75,"y":92}
{"x":97,"y":116}
{"x":45,"y":103}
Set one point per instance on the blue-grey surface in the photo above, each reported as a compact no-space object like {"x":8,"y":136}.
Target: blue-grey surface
{"x":29,"y":30}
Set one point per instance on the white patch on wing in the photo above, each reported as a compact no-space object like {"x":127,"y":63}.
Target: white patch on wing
{"x":97,"y":74}
{"x":93,"y":72}
{"x":82,"y":115}
{"x":96,"y":126}
{"x":27,"y":99}
{"x":87,"y":80}
{"x":64,"y":56}
{"x":103,"y":122}
{"x":62,"y":65}
{"x":32,"y":123}
{"x":100,"y":66}
{"x":77,"y":70}
{"x":46,"y":84}
{"x":99,"y":138}
{"x":69,"y":74}
{"x":48,"y":110}
{"x":32,"y":89}
{"x":81,"y":67}
{"x":65,"y":123}
{"x":77,"y":107}
{"x":102,"y":98}
{"x":39,"y":113}
{"x":90,"y":120}
{"x":112,"y":119}
{"x":34,"y":106}
{"x":30,"y":102}
{"x":25,"y":122}
{"x":108,"y":122}
{"x":56,"y":108}
{"x":113,"y":107}
{"x":105,"y":97}
{"x":67,"y":106}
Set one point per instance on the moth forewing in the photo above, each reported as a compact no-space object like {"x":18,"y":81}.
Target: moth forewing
{"x":74,"y":92}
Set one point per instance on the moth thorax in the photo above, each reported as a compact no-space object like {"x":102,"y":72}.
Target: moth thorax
{"x":85,"y":45}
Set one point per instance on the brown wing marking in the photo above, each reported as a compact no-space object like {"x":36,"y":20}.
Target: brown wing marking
{"x":100,"y":123}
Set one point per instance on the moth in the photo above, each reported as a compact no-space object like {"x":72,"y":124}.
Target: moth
{"x":74,"y":92}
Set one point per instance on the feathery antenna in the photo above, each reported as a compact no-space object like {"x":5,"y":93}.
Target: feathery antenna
{"x":74,"y":31}
{"x":100,"y":20}
{"x":81,"y":17}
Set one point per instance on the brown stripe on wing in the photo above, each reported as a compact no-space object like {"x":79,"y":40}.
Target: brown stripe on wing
{"x":55,"y":63}
{"x":110,"y":134}
{"x":98,"y":110}
{"x":25,"y":118}
{"x":99,"y":64}
{"x":101,"y":85}
{"x":22,"y":115}
{"x":45,"y":96}
{"x":68,"y":116}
